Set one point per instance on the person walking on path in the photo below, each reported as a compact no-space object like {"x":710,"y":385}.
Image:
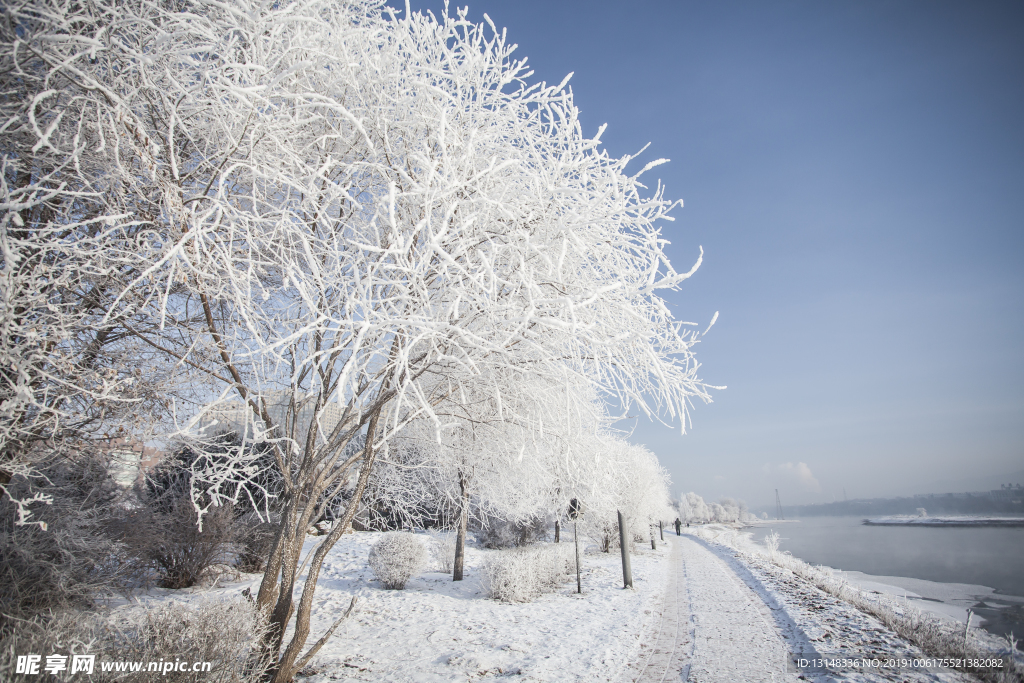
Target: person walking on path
{"x":678,"y":524}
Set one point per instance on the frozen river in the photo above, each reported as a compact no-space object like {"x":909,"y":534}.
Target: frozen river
{"x":985,"y":556}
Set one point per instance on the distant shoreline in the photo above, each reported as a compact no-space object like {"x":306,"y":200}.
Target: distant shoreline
{"x":947,"y":521}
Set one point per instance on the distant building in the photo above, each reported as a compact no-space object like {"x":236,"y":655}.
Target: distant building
{"x":236,"y":416}
{"x":1008,"y":493}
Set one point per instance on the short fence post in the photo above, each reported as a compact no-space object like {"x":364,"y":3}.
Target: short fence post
{"x":576,"y":538}
{"x":575,"y":510}
{"x":967,"y":629}
{"x":627,"y":571}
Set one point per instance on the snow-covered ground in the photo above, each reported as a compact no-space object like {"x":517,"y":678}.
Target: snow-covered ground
{"x":818,"y":626}
{"x":440,"y":630}
{"x":699,"y":611}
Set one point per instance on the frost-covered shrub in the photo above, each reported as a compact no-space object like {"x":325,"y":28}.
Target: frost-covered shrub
{"x":68,"y":553}
{"x":603,"y":532}
{"x":771,"y":542}
{"x":501,"y":534}
{"x":442,"y":549}
{"x":226,"y":634}
{"x":523,"y":574}
{"x":168,"y":538}
{"x":395,"y":557}
{"x":164,"y":529}
{"x":255,"y":543}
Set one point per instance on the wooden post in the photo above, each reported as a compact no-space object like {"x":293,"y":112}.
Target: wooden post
{"x":576,"y":538}
{"x":575,"y":510}
{"x":661,"y":530}
{"x":460,"y":539}
{"x":627,"y":571}
{"x":557,"y":530}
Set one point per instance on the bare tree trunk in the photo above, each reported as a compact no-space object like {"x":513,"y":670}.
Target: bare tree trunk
{"x":285,"y":670}
{"x":557,"y":530}
{"x":460,"y":539}
{"x":270,"y":587}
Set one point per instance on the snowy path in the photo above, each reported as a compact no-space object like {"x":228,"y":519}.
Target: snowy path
{"x":673,"y":640}
{"x":713,"y":627}
{"x":734,"y":637}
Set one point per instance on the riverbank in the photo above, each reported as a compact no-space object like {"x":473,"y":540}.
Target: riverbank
{"x":842,"y":622}
{"x":959,"y":568}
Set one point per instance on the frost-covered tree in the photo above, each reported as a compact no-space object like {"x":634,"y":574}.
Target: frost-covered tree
{"x":628,"y":479}
{"x":76,"y":206}
{"x":728,"y":510}
{"x":683,"y":511}
{"x":324,"y":217}
{"x":699,"y":511}
{"x":509,"y":461}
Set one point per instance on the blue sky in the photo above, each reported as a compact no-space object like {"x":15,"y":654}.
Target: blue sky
{"x":855,"y":174}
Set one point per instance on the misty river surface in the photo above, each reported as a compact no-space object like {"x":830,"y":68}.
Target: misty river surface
{"x":984,"y":556}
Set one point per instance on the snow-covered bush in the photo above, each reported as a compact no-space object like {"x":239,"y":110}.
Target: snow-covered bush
{"x":395,"y":557}
{"x":522,"y":574}
{"x":226,"y":634}
{"x":603,"y":531}
{"x":441,"y":545}
{"x":771,"y":542}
